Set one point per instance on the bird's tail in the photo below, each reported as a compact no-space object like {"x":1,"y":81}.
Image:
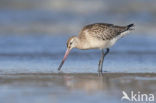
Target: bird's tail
{"x":130,"y":27}
{"x":127,"y":29}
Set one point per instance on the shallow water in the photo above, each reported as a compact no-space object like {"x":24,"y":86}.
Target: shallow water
{"x":33,"y":35}
{"x":28,"y":70}
{"x":77,"y":88}
{"x":42,"y":54}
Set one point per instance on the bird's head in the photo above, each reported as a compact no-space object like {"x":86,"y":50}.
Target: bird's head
{"x":71,"y":43}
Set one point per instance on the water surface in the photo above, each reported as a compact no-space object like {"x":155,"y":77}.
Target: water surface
{"x":43,"y":54}
{"x":77,"y":88}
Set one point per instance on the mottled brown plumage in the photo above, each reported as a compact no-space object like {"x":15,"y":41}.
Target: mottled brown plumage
{"x":103,"y":31}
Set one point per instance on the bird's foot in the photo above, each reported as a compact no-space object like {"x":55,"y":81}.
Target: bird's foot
{"x":100,"y":74}
{"x":60,"y":72}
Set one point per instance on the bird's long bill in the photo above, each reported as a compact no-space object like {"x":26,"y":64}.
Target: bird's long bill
{"x":65,"y":56}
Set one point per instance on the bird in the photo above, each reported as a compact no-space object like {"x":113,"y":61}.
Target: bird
{"x":97,"y":36}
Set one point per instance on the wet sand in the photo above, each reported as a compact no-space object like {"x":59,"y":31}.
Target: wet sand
{"x":77,"y":87}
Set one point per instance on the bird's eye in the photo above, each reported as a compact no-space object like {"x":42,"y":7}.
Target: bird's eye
{"x":70,"y":43}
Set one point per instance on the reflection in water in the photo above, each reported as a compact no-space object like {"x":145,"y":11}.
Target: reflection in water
{"x":111,"y":82}
{"x":82,"y":87}
{"x":88,"y":84}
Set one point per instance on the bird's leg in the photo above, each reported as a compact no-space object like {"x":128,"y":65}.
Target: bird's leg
{"x":101,"y":61}
{"x":107,"y":51}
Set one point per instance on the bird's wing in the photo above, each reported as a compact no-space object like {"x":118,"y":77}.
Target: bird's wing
{"x":103,"y":31}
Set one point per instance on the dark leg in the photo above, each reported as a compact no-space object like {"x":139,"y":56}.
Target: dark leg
{"x":101,"y":61}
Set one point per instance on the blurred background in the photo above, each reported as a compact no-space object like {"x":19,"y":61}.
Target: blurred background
{"x":33,"y":35}
{"x":67,"y":17}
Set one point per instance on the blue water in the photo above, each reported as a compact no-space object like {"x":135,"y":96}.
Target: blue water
{"x":43,"y":53}
{"x":33,"y":35}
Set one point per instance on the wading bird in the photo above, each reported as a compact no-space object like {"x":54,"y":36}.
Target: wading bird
{"x":97,"y":36}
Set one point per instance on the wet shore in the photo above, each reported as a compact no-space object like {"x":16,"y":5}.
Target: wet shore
{"x":80,"y":87}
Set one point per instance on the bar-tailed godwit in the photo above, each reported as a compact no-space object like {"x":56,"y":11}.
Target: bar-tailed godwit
{"x":97,"y":36}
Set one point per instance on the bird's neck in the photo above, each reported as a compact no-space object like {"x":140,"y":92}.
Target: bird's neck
{"x":81,"y":44}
